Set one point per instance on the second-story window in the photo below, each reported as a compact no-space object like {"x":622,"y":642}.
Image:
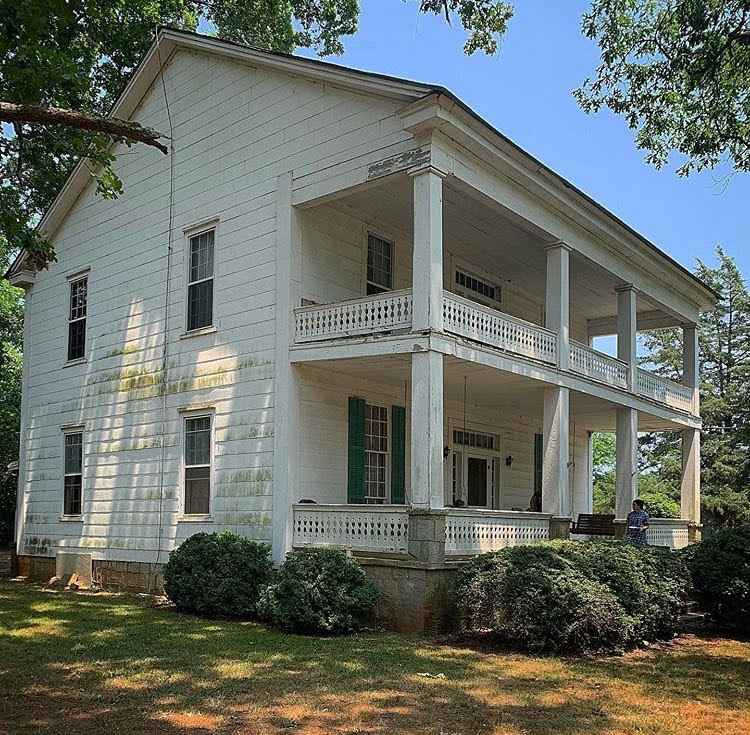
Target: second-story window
{"x":77,"y":318}
{"x":200,"y":295}
{"x":379,"y":264}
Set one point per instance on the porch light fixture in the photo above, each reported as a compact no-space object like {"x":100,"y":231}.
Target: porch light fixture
{"x":509,"y":460}
{"x":446,"y":452}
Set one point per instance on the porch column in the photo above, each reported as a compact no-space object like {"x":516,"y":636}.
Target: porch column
{"x":557,"y":309}
{"x":427,"y":274}
{"x":626,"y":466}
{"x":556,"y":444}
{"x":690,"y":491}
{"x":627,"y":297}
{"x":427,"y":430}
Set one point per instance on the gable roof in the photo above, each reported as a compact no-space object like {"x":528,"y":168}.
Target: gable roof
{"x":170,"y":39}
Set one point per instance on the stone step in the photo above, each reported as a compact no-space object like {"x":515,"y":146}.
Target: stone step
{"x":692,"y":621}
{"x":689,"y":606}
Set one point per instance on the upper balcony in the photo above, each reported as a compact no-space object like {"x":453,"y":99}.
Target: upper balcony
{"x":391,"y":313}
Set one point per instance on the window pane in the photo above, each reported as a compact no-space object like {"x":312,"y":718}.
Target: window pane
{"x":197,"y":490}
{"x":76,"y":339}
{"x":202,"y":256}
{"x":78,"y":298}
{"x":198,"y":441}
{"x":200,"y":304}
{"x":379,"y":262}
{"x":73,"y":454}
{"x":72,"y":500}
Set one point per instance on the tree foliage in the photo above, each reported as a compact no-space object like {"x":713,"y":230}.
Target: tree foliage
{"x":724,"y":337}
{"x":679,"y":72}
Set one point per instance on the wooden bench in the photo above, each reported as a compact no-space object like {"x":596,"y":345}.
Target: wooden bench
{"x":594,"y":524}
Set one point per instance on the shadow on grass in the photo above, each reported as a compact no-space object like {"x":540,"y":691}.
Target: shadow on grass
{"x":73,"y":663}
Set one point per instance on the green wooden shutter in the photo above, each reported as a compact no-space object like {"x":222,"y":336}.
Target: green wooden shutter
{"x":398,"y":454}
{"x":538,"y":457}
{"x":356,"y":480}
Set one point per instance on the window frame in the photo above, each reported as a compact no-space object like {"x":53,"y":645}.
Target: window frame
{"x":190,"y":233}
{"x":386,"y":499}
{"x":66,"y":433}
{"x":210,"y":414}
{"x":368,"y":233}
{"x":72,"y":280}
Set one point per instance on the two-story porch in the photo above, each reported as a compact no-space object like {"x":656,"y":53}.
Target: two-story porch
{"x":440,"y":351}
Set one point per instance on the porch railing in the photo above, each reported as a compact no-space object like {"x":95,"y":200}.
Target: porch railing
{"x":597,"y":365}
{"x":381,"y":313}
{"x":382,"y":528}
{"x":470,"y":532}
{"x":474,"y":321}
{"x":664,"y":391}
{"x":672,"y":532}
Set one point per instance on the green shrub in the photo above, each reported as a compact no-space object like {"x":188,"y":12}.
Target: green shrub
{"x":319,"y":590}
{"x":720,"y":568}
{"x":218,"y":575}
{"x":572,"y":597}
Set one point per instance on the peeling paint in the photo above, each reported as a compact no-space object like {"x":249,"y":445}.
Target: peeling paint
{"x":407,"y":159}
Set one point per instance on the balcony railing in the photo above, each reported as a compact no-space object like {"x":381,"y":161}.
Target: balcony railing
{"x":470,"y":531}
{"x":369,"y":315}
{"x":665,"y":391}
{"x":382,"y":528}
{"x":598,"y":366}
{"x":671,"y":532}
{"x":474,"y":321}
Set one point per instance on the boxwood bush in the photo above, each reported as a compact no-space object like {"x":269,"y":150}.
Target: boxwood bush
{"x":218,"y":575}
{"x":572,"y":597}
{"x":319,"y":591}
{"x":720,"y":568}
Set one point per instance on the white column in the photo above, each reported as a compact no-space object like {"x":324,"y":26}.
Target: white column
{"x":286,"y":403}
{"x":690,"y":369}
{"x":427,"y":274}
{"x":555,"y":490}
{"x":691,"y":438}
{"x":626,"y":469}
{"x":627,"y":297}
{"x":427,"y":430}
{"x":557,"y":309}
{"x":690,"y":494}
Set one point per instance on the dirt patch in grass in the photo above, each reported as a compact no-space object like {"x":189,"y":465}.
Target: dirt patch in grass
{"x":104,"y":664}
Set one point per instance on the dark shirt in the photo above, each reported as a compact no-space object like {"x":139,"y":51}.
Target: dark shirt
{"x":636,"y":520}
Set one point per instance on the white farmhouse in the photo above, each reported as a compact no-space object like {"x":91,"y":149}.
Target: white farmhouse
{"x":341,"y":307}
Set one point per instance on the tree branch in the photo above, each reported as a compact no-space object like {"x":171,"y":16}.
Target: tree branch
{"x":30,"y":114}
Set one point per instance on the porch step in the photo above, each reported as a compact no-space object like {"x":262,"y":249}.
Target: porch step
{"x":691,"y":618}
{"x":689,"y":606}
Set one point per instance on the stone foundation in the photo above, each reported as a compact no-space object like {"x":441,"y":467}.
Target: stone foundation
{"x":35,"y":568}
{"x":129,"y":576}
{"x":415,"y":597}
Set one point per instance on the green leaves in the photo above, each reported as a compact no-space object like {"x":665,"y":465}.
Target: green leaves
{"x":679,"y":72}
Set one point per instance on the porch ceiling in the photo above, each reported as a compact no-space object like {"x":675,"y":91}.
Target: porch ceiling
{"x":509,"y":250}
{"x":489,"y":388}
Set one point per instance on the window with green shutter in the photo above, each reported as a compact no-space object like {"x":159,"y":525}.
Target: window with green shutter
{"x":356,"y":464}
{"x":398,"y":454}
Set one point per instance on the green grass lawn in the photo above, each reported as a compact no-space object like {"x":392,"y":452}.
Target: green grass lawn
{"x":99,"y":663}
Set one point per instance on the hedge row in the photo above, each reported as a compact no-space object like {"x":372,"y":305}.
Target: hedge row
{"x":596,"y":597}
{"x":225,"y":575}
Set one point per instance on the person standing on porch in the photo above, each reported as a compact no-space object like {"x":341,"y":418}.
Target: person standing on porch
{"x":638,"y":524}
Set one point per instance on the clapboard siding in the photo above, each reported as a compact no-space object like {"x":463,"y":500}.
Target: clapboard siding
{"x":236,"y":129}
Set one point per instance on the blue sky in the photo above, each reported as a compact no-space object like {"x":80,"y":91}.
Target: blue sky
{"x":525,"y":91}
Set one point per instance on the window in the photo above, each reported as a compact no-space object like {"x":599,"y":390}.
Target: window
{"x":197,"y":465}
{"x":473,"y":439}
{"x":476,"y":286}
{"x":201,"y":281}
{"x":77,"y":318}
{"x":73,"y":461}
{"x":379,"y":264}
{"x":376,"y":454}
